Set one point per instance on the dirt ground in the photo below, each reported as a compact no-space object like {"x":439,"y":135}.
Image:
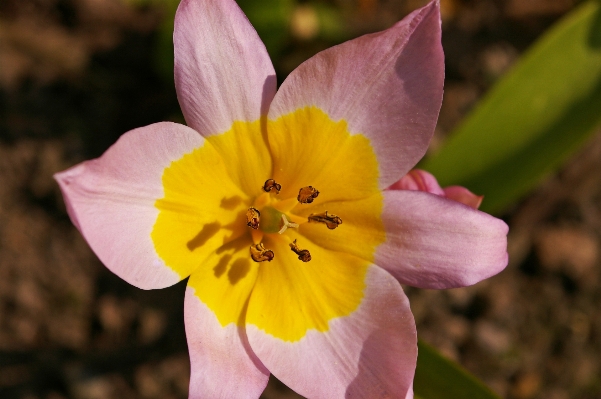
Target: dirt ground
{"x":75,"y":74}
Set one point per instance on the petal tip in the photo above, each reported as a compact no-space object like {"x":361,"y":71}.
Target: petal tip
{"x":457,"y":248}
{"x":65,"y":180}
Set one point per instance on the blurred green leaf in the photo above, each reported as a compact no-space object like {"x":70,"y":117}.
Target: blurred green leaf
{"x":533,"y":119}
{"x":332,"y":26}
{"x":439,"y":378}
{"x":164,"y":46}
{"x":271,"y":19}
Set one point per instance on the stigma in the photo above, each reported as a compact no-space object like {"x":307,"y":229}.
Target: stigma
{"x":286,"y":224}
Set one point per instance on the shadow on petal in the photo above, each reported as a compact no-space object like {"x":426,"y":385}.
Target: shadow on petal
{"x":269,"y":89}
{"x":234,"y":245}
{"x":207,"y":232}
{"x":230,"y":203}
{"x":238,"y":270}
{"x":221,"y":266}
{"x":381,"y":375}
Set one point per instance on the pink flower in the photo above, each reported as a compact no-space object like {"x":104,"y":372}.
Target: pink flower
{"x":275,"y":205}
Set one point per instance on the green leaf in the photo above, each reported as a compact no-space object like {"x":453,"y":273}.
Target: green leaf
{"x":533,"y":119}
{"x":163,"y":57}
{"x":332,"y":26}
{"x":439,"y":378}
{"x":271,"y":19}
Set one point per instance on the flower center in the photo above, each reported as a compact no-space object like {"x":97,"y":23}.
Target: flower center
{"x":271,"y":220}
{"x":269,"y":217}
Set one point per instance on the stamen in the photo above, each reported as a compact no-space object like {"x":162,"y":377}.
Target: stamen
{"x":306,"y":195}
{"x":303,"y":254}
{"x":252,"y":218}
{"x":331,"y":221}
{"x":258,"y":253}
{"x":271,"y":184}
{"x":286,"y":224}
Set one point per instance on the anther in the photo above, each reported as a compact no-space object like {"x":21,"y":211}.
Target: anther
{"x":271,"y":184}
{"x":306,"y":195}
{"x":303,"y":254}
{"x":252,"y":218}
{"x":258,"y":253}
{"x":331,"y":221}
{"x":286,"y":224}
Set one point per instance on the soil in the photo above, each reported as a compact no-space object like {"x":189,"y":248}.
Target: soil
{"x":76,"y":74}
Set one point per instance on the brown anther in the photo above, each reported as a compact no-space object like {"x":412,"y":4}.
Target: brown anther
{"x":271,"y":184}
{"x":306,"y":195}
{"x":331,"y":221}
{"x":252,"y":218}
{"x":303,"y":254}
{"x":258,"y":253}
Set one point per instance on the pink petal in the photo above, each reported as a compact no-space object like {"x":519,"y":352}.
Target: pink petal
{"x":418,"y":180}
{"x":222,"y":363}
{"x":222,"y":70}
{"x":433,"y":242}
{"x":463,"y":195}
{"x":369,"y":354}
{"x":111,"y":200}
{"x":387,"y":86}
{"x":410,"y":392}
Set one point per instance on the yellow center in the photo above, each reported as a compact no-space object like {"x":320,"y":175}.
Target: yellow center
{"x":202,"y":228}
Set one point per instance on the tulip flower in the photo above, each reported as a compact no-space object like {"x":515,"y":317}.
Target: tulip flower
{"x":276,"y":206}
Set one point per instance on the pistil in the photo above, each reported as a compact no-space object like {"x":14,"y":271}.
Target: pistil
{"x":271,"y":220}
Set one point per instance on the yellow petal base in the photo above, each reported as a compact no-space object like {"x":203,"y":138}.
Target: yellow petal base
{"x":202,"y":228}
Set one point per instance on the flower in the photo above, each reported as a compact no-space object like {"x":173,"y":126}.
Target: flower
{"x":276,"y":205}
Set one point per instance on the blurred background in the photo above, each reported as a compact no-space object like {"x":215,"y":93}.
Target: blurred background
{"x":76,"y":74}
